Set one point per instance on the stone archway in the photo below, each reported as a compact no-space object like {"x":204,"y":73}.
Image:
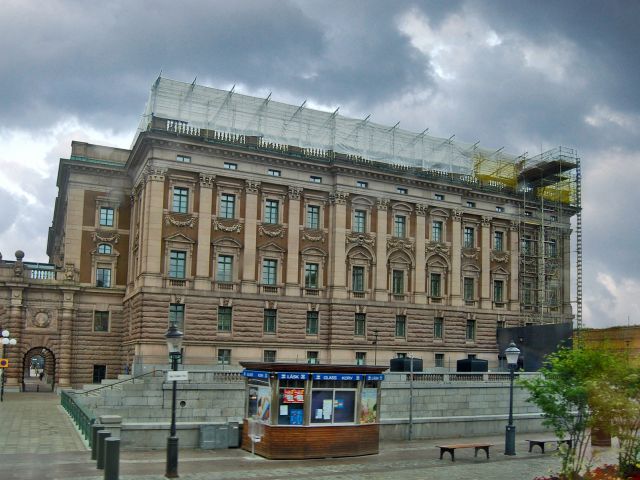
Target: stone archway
{"x":38,"y":370}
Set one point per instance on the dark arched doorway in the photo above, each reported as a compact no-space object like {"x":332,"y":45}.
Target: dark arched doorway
{"x":38,"y":370}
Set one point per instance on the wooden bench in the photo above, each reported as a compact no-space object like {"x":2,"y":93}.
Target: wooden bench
{"x":540,"y":443}
{"x":452,"y":448}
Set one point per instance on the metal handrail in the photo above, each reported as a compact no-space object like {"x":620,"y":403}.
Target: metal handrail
{"x":111,"y":385}
{"x":81,"y":417}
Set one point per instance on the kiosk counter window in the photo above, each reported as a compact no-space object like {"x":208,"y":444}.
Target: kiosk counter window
{"x":291,"y":402}
{"x":333,"y":401}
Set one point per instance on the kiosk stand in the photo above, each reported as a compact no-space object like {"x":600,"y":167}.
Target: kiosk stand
{"x":311,"y":410}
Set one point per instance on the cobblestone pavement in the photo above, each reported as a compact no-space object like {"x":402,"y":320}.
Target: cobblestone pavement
{"x":62,"y":455}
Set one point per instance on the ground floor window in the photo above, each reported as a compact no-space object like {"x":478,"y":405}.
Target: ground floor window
{"x":333,"y":406}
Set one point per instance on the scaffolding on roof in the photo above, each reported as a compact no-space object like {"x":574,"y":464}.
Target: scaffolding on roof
{"x":279,"y":123}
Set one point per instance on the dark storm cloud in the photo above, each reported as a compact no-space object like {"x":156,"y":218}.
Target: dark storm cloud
{"x":98,"y":60}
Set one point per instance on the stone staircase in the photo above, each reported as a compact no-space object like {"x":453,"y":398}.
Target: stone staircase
{"x":208,"y":396}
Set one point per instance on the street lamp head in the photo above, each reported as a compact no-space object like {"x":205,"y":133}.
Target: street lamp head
{"x":174,"y":339}
{"x":13,"y":341}
{"x":5,"y":341}
{"x":512,"y":353}
{"x":5,"y":333}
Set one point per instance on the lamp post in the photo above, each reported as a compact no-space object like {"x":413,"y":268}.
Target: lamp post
{"x":174,"y":344}
{"x":6,"y":340}
{"x":512,"y":353}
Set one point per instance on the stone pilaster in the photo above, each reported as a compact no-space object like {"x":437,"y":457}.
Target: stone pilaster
{"x":249,"y":284}
{"x":514,"y":265}
{"x":202,"y":279}
{"x":13,"y":323}
{"x":381,"y":291}
{"x":338,"y":231}
{"x":485,"y":263}
{"x":131,"y":266}
{"x":292,"y":286}
{"x":73,"y":225}
{"x":152,"y":253}
{"x":66,"y":339}
{"x":456,"y":257}
{"x":420,"y":295}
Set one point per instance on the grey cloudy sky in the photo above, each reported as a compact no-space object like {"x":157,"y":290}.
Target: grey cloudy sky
{"x":528,"y":76}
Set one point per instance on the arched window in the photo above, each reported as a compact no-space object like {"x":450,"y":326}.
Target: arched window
{"x":104,"y":248}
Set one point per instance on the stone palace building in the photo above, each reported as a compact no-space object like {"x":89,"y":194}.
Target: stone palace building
{"x":273,"y":232}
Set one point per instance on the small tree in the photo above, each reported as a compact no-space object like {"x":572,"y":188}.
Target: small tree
{"x":563,"y":392}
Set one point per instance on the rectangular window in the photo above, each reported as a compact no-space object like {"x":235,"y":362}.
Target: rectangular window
{"x":312,"y":357}
{"x":269,"y":271}
{"x":360,"y":221}
{"x":360,"y":323}
{"x":224,"y":356}
{"x":436,"y":290}
{"x":225,"y":268}
{"x":469,"y":240}
{"x":401,"y":326}
{"x":315,"y":179}
{"x":527,"y":297}
{"x":274,"y":173}
{"x":400,"y":226}
{"x":225,"y":315}
{"x":438,"y":328}
{"x":553,"y":218}
{"x":270,"y":320}
{"x":498,"y":291}
{"x":527,"y":245}
{"x":106,"y":217}
{"x":312,"y":323}
{"x":436,"y":231}
{"x":398,"y":282}
{"x":439,"y":196}
{"x":361,"y":184}
{"x":357,"y":279}
{"x":471,"y":204}
{"x":271,"y":211}
{"x":471,"y":330}
{"x":103,"y":277}
{"x":528,"y":214}
{"x":500,"y":209}
{"x":177,"y":264}
{"x":227,"y":205}
{"x":230,"y":166}
{"x":180,"y":200}
{"x":468,"y":289}
{"x":311,"y":275}
{"x":501,"y":324}
{"x":269,"y":356}
{"x":183,"y":159}
{"x":176,"y":315}
{"x":100,"y":321}
{"x":313,"y":216}
{"x":402,"y":190}
{"x":552,"y":248}
{"x":439,"y":360}
{"x":498,"y":241}
{"x":401,"y":355}
{"x":361,"y":358}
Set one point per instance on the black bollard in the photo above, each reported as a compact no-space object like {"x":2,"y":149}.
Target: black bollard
{"x":95,"y":428}
{"x":111,"y":458}
{"x":102,"y":436}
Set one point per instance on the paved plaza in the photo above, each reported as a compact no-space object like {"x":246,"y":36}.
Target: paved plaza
{"x":39,"y":441}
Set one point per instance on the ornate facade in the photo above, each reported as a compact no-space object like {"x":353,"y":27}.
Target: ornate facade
{"x":268,"y":253}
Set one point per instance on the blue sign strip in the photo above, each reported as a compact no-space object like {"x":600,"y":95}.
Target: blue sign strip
{"x":375,"y":377}
{"x":293,"y":376}
{"x":337,"y":376}
{"x":255,"y":374}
